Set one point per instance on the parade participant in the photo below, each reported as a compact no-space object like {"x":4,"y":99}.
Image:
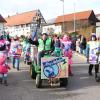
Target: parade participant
{"x":57,"y":46}
{"x":78,"y":45}
{"x":93,"y":48}
{"x":7,"y":38}
{"x":83,"y":45}
{"x":3,"y":61}
{"x":26,"y":50}
{"x":66,"y":45}
{"x":15,"y":52}
{"x":44,"y":44}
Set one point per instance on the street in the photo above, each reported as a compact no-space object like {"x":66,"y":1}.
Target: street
{"x":80,"y":87}
{"x":48,"y":49}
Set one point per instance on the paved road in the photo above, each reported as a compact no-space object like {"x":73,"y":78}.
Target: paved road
{"x":80,"y":87}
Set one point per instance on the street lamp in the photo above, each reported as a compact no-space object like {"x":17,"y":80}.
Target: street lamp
{"x":63,"y":16}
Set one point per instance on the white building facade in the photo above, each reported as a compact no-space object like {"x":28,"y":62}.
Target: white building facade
{"x":19,"y":30}
{"x":51,"y":28}
{"x":2,"y":21}
{"x":1,"y":27}
{"x":98,"y":27}
{"x":25,"y":23}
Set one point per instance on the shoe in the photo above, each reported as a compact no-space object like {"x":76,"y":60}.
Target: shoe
{"x":90,"y":74}
{"x":5,"y":83}
{"x":71,"y":74}
{"x":24,"y":62}
{"x":29,"y":63}
{"x":14,"y":67}
{"x":17,"y":69}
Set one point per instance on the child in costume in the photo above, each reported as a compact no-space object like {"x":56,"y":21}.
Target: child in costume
{"x":3,"y":61}
{"x":3,"y":69}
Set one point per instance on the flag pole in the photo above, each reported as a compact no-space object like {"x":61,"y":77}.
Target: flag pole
{"x":74,"y":18}
{"x":63,"y":27}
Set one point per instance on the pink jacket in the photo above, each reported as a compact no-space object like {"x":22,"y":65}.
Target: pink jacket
{"x":3,"y":66}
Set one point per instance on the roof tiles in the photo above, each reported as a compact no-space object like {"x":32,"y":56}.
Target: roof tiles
{"x":20,"y":19}
{"x":78,"y":16}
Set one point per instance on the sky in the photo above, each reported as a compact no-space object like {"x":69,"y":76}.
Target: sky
{"x":49,"y":8}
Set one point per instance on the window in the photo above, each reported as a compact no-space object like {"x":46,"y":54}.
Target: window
{"x":16,"y":26}
{"x":22,"y":26}
{"x":27,"y":25}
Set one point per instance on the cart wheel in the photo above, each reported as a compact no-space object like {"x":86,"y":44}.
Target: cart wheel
{"x":32,"y":72}
{"x":38,"y":81}
{"x":63,"y":82}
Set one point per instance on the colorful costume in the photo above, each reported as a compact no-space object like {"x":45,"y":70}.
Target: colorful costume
{"x":66,"y":45}
{"x":15,"y":52}
{"x":27,"y":51}
{"x":3,"y":61}
{"x":94,"y":48}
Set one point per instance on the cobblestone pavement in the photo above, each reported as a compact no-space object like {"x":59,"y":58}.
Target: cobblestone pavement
{"x":80,"y":87}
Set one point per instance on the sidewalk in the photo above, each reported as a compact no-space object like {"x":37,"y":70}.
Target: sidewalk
{"x":79,"y":58}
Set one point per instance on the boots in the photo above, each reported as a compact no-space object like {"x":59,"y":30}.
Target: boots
{"x":0,"y":80}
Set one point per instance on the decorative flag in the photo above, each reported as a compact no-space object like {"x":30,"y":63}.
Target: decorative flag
{"x":34,"y":34}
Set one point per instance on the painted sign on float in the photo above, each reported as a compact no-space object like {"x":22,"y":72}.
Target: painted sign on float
{"x":54,"y":67}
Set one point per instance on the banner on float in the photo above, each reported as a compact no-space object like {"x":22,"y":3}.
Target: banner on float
{"x":54,"y":67}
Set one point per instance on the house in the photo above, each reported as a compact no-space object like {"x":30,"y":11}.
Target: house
{"x":2,"y":21}
{"x":85,"y":22}
{"x":51,"y":28}
{"x":98,"y":26}
{"x":21,"y":24}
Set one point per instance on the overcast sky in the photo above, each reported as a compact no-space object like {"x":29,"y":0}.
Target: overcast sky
{"x":49,"y":8}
